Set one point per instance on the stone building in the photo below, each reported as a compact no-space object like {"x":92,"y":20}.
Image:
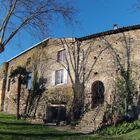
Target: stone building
{"x":54,"y":60}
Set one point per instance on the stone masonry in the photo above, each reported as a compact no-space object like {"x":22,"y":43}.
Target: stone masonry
{"x":58,"y":84}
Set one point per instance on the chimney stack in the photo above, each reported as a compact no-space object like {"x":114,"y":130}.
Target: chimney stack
{"x":115,"y":26}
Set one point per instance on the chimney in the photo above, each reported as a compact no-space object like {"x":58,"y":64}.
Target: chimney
{"x":115,"y":26}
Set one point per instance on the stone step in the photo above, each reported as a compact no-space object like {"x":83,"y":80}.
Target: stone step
{"x":91,"y":120}
{"x":89,"y":125}
{"x":93,"y":123}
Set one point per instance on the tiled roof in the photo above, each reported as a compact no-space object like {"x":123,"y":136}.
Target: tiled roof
{"x":115,"y":31}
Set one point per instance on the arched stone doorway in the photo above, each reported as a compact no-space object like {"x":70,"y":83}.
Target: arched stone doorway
{"x":97,"y":90}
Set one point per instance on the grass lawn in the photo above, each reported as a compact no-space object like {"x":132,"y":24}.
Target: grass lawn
{"x":11,"y":129}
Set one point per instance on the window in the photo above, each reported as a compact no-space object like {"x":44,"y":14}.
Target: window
{"x":29,"y":82}
{"x":56,"y":113}
{"x":59,"y":74}
{"x":61,"y":56}
{"x":28,"y":61}
{"x":9,"y":83}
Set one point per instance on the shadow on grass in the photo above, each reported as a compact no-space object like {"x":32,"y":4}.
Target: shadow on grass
{"x":7,"y":117}
{"x":45,"y":133}
{"x":49,"y":134}
{"x":57,"y":136}
{"x":20,"y":123}
{"x":11,"y":129}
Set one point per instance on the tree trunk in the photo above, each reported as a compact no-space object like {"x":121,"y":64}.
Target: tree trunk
{"x":128,"y":98}
{"x":78,"y":101}
{"x":18,"y":97}
{"x":27,"y":106}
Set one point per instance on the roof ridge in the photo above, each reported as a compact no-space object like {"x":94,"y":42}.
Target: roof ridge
{"x":109,"y":32}
{"x":33,"y":46}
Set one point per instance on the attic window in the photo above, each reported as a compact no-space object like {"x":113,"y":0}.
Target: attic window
{"x":28,"y":61}
{"x":61,"y":56}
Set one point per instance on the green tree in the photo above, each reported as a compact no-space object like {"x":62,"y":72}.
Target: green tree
{"x":22,"y":76}
{"x":120,"y":96}
{"x":125,"y":84}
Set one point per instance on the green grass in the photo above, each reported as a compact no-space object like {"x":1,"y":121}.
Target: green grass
{"x":11,"y":129}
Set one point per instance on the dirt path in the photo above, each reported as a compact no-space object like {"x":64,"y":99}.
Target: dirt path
{"x":64,"y":128}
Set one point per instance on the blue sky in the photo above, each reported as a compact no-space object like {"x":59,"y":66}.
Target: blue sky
{"x":93,"y":16}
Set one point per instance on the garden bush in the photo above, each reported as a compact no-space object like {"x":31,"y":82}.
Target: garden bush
{"x":120,"y":129}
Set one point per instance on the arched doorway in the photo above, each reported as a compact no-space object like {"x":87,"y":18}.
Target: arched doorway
{"x":97,"y":93}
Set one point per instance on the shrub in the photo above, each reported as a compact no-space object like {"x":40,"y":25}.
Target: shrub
{"x":120,"y":129}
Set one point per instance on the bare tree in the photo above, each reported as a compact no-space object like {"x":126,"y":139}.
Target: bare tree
{"x":80,"y":63}
{"x":34,"y":15}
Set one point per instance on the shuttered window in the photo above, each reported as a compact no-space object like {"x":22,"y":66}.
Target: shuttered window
{"x":59,"y":76}
{"x":61,"y":56}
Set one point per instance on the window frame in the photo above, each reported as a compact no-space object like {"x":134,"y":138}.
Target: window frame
{"x":29,"y":81}
{"x":28,"y":62}
{"x":61,"y":76}
{"x":61,"y":55}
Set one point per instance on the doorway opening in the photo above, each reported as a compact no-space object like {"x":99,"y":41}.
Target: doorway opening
{"x":56,"y":113}
{"x":97,"y":93}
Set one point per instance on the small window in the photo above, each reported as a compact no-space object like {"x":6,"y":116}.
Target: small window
{"x":29,"y":82}
{"x":28,"y":61}
{"x":61,"y":56}
{"x":9,"y":83}
{"x":59,"y":74}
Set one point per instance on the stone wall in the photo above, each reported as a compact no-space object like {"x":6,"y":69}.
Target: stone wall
{"x":105,"y":69}
{"x":3,"y":78}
